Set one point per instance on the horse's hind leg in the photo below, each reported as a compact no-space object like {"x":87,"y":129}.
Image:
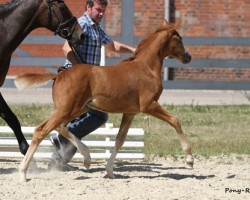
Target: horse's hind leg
{"x":14,"y":124}
{"x":120,"y":138}
{"x":155,"y":110}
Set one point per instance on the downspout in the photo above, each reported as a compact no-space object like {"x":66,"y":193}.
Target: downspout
{"x":167,"y":17}
{"x":167,"y":10}
{"x":102,"y":62}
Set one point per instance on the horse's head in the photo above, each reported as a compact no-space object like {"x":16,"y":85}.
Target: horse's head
{"x":175,"y":47}
{"x":57,"y":17}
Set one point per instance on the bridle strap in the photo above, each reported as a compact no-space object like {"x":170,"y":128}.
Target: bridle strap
{"x":63,"y":28}
{"x":52,"y":11}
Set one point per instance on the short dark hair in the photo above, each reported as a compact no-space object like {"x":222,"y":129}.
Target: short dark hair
{"x":91,"y":2}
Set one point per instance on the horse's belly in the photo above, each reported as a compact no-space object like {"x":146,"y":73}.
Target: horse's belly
{"x":120,"y":105}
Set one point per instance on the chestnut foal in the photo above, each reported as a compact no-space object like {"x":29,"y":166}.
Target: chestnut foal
{"x":129,"y":87}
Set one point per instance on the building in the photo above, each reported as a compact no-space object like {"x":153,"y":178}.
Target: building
{"x":215,"y":32}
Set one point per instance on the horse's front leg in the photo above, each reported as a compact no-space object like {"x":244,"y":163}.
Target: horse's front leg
{"x":7,"y":114}
{"x":84,"y":150}
{"x":38,"y":136}
{"x":156,"y":110}
{"x":14,"y":124}
{"x":120,"y":138}
{"x":26,"y":161}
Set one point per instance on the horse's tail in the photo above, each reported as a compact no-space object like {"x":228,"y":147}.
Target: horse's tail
{"x":29,"y":80}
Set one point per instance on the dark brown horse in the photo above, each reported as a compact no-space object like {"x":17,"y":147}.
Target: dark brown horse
{"x":129,"y":87}
{"x":17,"y":19}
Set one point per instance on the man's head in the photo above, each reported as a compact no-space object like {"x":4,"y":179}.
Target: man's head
{"x":96,"y":9}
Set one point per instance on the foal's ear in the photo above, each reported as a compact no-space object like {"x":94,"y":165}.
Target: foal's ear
{"x":165,"y":22}
{"x":177,"y":24}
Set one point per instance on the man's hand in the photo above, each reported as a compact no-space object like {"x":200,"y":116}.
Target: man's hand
{"x":60,"y":69}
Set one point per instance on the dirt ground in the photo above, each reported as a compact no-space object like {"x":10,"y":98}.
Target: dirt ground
{"x":223,"y":177}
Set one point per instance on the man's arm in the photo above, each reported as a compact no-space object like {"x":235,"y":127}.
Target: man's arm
{"x":119,"y":47}
{"x":69,"y":53}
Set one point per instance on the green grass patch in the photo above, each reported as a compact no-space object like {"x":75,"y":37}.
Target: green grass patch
{"x":211,"y":130}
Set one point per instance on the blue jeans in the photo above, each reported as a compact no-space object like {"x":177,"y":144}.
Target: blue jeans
{"x":80,"y":127}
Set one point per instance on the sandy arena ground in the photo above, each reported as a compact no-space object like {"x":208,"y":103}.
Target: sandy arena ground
{"x":157,"y":179}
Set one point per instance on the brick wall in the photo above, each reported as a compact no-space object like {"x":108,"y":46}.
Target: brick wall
{"x":213,"y":18}
{"x":220,"y":18}
{"x":149,"y":16}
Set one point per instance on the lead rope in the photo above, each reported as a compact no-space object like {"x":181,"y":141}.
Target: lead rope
{"x":77,"y":54}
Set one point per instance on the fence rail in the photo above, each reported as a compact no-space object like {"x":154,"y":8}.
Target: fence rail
{"x":100,"y":141}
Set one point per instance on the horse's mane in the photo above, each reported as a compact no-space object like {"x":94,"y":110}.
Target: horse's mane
{"x":144,"y":43}
{"x":9,"y":6}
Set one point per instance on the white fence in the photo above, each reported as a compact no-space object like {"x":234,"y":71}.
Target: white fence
{"x":100,"y":142}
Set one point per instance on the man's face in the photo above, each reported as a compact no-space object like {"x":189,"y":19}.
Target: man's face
{"x":96,"y":12}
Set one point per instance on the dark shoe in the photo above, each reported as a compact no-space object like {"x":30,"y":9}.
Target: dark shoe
{"x":57,"y":165}
{"x":55,"y":141}
{"x":65,"y":149}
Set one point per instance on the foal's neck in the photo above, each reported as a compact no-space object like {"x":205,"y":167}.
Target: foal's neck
{"x":152,"y":54}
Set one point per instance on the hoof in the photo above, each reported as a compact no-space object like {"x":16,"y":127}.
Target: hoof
{"x":110,"y":173}
{"x":190,"y":161}
{"x":23,"y":180}
{"x":110,"y":176}
{"x":23,"y":146}
{"x":190,"y":164}
{"x":22,"y":176}
{"x":87,"y":163}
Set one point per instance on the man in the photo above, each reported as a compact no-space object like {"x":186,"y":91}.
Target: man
{"x":89,"y":52}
